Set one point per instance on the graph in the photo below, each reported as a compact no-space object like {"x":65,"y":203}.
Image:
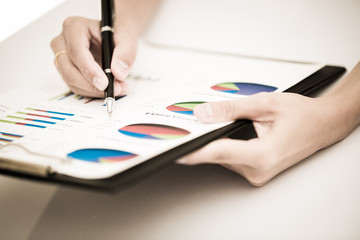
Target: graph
{"x":21,"y":123}
{"x":242,"y":88}
{"x":63,"y":96}
{"x":153,"y":131}
{"x":186,"y":108}
{"x":48,"y":111}
{"x":101,"y":155}
{"x":31,"y":119}
{"x":36,"y":118}
{"x":6,"y":137}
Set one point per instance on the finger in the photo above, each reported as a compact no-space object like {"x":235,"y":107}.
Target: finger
{"x":225,"y":151}
{"x":252,"y":159}
{"x":120,"y":88}
{"x":78,"y":33}
{"x":255,"y":107}
{"x":71,"y":74}
{"x":75,"y":79}
{"x":124,"y":53}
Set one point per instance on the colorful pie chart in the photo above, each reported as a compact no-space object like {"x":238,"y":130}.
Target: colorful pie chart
{"x":100,"y":155}
{"x":153,"y":131}
{"x":184,"y":107}
{"x":242,"y":88}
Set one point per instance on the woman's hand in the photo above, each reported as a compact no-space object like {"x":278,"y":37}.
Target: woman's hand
{"x":80,"y":65}
{"x":289,"y":126}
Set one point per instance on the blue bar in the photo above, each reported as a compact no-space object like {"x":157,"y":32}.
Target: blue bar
{"x":42,"y":121}
{"x":11,"y":135}
{"x":66,"y":114}
{"x":6,"y":140}
{"x":33,"y":125}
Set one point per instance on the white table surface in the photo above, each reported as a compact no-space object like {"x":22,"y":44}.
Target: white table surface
{"x":316,"y":199}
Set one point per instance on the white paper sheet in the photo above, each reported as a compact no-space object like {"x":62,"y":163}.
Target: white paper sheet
{"x":75,"y":137}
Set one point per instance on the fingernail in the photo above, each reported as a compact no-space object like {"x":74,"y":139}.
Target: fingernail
{"x":123,"y":69}
{"x":100,"y":83}
{"x":182,"y":160}
{"x":204,"y":112}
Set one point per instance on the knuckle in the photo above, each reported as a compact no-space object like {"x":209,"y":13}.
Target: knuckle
{"x":88,"y":72}
{"x":71,"y":21}
{"x":228,"y":109}
{"x":68,"y":22}
{"x":54,"y":42}
{"x":265,"y":99}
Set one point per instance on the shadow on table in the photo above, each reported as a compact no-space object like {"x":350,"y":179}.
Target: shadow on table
{"x":163,"y":203}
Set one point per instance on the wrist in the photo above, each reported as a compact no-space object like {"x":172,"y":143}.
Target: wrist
{"x":341,"y":115}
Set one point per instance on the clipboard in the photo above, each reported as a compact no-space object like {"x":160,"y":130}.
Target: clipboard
{"x":239,"y":129}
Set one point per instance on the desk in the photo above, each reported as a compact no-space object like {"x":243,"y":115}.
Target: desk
{"x":316,"y":199}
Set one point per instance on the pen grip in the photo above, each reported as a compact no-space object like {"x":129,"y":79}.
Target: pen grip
{"x":109,"y":91}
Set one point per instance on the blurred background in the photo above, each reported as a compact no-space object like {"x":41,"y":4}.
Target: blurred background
{"x":16,"y":14}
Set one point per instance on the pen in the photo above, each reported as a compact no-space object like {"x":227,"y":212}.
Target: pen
{"x":107,"y":46}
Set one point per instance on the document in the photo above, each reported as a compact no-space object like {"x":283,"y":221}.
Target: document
{"x":45,"y":124}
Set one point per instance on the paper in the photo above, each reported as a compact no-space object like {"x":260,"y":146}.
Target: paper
{"x":74,"y":135}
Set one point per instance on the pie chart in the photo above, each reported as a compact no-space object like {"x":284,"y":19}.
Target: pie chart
{"x":153,"y":131}
{"x":100,"y":155}
{"x":242,"y":88}
{"x":184,"y":107}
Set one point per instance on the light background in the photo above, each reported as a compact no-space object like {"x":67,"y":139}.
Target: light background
{"x":17,"y":14}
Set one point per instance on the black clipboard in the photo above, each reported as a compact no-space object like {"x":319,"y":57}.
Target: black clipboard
{"x":241,"y":129}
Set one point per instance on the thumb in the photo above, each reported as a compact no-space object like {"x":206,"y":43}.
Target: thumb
{"x":252,"y":108}
{"x":124,"y":53}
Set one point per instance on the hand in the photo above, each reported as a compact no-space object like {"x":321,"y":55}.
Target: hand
{"x":289,"y":126}
{"x":81,"y":68}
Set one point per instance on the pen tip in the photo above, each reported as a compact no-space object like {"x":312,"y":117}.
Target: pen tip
{"x":109,"y":102}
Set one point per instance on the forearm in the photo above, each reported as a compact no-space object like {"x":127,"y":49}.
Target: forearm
{"x":342,"y":103}
{"x":134,"y":15}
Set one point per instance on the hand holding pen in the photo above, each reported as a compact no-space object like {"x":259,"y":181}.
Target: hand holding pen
{"x":78,"y":55}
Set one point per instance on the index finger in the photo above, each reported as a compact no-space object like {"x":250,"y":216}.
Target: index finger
{"x":78,"y":34}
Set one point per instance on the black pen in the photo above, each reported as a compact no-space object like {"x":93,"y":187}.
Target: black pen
{"x":107,"y":46}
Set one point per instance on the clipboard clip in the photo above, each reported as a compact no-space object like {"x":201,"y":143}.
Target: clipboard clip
{"x":25,"y":167}
{"x":41,"y":168}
